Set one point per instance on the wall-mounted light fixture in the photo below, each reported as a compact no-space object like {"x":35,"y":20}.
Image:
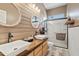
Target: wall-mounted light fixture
{"x":35,"y":8}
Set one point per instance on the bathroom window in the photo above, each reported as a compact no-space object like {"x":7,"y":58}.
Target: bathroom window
{"x":3,"y":16}
{"x":56,"y":16}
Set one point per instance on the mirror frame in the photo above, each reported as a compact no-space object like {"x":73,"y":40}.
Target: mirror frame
{"x":32,"y":23}
{"x":19,"y":19}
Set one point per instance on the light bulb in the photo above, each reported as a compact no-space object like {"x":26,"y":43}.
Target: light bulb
{"x":36,"y":8}
{"x":33,"y":5}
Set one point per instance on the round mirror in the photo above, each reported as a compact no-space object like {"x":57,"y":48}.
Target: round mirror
{"x":9,"y":14}
{"x":35,"y":21}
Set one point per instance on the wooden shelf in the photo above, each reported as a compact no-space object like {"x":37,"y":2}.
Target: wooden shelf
{"x":70,"y":22}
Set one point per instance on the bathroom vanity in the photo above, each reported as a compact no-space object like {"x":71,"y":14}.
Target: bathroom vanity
{"x":35,"y":48}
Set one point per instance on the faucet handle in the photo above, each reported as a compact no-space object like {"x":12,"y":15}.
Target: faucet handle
{"x":10,"y":36}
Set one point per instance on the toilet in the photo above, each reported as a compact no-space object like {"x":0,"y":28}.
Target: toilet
{"x":50,"y":45}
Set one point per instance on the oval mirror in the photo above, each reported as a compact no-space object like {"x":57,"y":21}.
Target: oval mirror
{"x":35,"y":22}
{"x":9,"y":14}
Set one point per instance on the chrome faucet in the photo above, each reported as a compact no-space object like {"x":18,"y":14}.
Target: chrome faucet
{"x":9,"y":36}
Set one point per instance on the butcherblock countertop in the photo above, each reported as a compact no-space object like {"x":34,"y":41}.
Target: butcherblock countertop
{"x":33,"y":45}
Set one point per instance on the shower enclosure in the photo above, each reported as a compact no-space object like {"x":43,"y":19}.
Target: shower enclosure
{"x":57,"y":32}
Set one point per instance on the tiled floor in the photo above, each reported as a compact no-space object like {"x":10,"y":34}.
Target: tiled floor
{"x":56,"y":51}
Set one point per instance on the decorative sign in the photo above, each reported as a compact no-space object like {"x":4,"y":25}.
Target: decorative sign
{"x":3,"y":16}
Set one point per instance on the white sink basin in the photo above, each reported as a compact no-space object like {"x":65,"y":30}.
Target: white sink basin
{"x":14,"y":48}
{"x":41,"y":36}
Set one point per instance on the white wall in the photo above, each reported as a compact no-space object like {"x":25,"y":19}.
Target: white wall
{"x":54,"y":27}
{"x":74,"y":41}
{"x":73,"y":12}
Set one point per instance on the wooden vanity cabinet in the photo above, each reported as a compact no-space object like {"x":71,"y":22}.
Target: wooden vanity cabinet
{"x":40,"y":50}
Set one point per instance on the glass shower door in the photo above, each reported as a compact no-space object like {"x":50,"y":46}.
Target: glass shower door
{"x":57,"y":33}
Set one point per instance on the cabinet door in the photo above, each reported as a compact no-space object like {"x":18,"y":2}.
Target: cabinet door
{"x":40,"y":53}
{"x":45,"y":48}
{"x":45,"y":43}
{"x":37,"y":50}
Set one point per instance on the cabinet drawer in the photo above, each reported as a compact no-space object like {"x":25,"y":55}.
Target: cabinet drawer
{"x":36,"y":51}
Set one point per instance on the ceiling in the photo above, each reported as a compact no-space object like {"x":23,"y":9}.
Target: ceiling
{"x":53,"y":5}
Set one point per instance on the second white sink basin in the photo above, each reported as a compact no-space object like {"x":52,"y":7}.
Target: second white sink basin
{"x":41,"y":36}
